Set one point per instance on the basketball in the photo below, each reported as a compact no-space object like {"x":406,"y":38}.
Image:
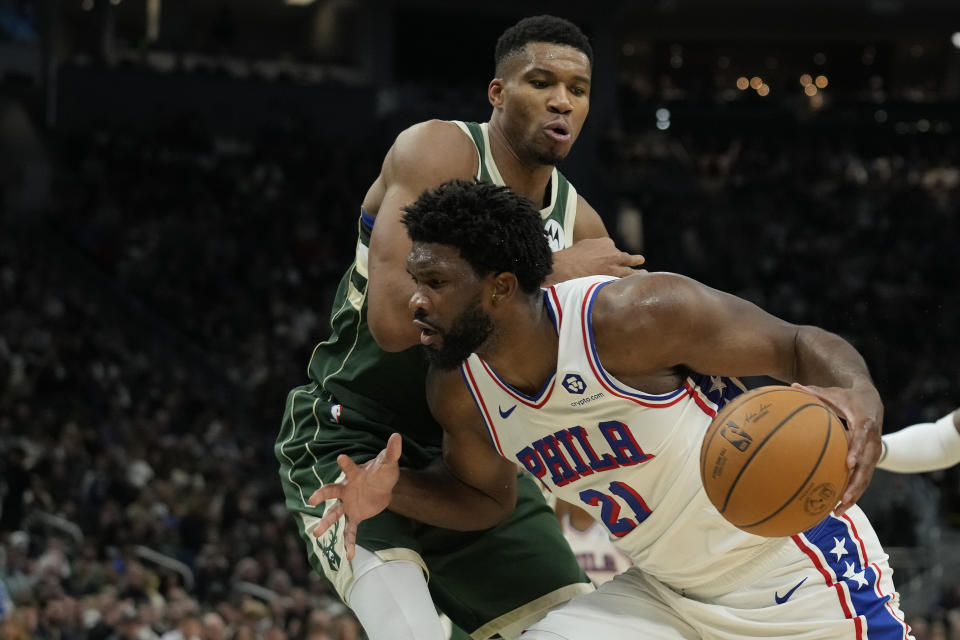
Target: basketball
{"x":773,"y":461}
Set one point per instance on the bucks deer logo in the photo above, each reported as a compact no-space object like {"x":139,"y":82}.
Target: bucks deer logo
{"x":328,"y":543}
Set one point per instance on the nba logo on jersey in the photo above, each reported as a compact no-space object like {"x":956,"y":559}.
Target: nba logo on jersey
{"x":573,"y":383}
{"x":554,"y":233}
{"x":335,"y":411}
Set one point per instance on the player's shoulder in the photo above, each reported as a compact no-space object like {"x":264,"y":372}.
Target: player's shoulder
{"x":424,"y":135}
{"x":640,"y":298}
{"x":433,"y":145}
{"x":662,"y":283}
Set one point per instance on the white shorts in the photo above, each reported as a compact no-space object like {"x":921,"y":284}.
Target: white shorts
{"x":831,"y":582}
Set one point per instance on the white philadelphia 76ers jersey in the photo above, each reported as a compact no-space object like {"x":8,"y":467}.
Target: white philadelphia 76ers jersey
{"x":630,"y":458}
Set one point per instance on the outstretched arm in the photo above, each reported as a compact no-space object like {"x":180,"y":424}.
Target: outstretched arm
{"x":363,"y":493}
{"x":470,"y":488}
{"x":923,"y":447}
{"x":666,"y":321}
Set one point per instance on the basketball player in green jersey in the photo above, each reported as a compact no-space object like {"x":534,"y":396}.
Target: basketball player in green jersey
{"x":367,"y":379}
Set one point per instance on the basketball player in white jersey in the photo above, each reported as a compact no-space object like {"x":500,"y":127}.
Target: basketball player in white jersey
{"x":603,"y":388}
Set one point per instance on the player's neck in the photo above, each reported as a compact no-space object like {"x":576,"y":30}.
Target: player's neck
{"x":524,"y":352}
{"x":525,"y":176}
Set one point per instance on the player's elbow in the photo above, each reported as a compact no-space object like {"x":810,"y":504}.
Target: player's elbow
{"x":485,"y":510}
{"x":486,"y":517}
{"x":391,"y":334}
{"x":499,"y":507}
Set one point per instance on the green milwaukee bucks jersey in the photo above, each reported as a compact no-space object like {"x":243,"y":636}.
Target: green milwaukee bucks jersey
{"x":560,"y":212}
{"x":389,"y":387}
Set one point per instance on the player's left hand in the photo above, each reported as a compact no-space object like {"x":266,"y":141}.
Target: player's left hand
{"x":364,"y":492}
{"x":862,"y":409}
{"x":594,"y":256}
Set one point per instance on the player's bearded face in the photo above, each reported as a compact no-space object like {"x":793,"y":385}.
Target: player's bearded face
{"x":467,"y":332}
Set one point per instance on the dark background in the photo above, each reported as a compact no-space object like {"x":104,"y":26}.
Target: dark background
{"x":180,"y":183}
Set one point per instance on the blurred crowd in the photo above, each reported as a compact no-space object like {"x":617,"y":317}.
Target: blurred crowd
{"x":172,"y":292}
{"x":112,"y":458}
{"x":853,"y":229}
{"x":163,"y":306}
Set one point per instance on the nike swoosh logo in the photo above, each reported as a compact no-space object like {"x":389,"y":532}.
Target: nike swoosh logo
{"x":506,"y":414}
{"x":781,"y":599}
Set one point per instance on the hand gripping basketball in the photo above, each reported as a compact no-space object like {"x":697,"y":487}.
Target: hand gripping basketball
{"x":364,"y":492}
{"x":773,"y":461}
{"x":862,"y":410}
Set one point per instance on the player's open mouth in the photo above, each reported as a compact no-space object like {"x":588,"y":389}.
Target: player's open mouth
{"x":427,"y":333}
{"x":558,"y":130}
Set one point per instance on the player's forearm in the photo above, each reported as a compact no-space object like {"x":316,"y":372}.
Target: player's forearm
{"x":436,"y":497}
{"x":923,"y":447}
{"x":590,"y":257}
{"x":827,"y":360}
{"x":565,"y":268}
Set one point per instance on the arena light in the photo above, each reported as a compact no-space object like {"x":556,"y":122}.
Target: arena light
{"x":821,"y":82}
{"x":755,"y":82}
{"x":742,"y":83}
{"x":153,"y":20}
{"x":663,"y":119}
{"x":805,"y":79}
{"x":810,"y":90}
{"x":955,"y":39}
{"x":763,"y":90}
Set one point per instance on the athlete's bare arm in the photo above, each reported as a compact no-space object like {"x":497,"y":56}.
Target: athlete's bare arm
{"x":649,"y":326}
{"x":923,"y":447}
{"x":421,"y":158}
{"x":593,"y":252}
{"x":470,"y":488}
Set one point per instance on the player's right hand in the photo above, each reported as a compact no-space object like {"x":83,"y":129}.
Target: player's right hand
{"x":862,"y":410}
{"x":594,"y":256}
{"x":364,"y":491}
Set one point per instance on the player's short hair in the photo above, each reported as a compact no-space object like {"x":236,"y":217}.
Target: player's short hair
{"x":494,"y":228}
{"x":542,"y":28}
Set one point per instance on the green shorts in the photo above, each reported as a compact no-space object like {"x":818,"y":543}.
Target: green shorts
{"x":487,"y":582}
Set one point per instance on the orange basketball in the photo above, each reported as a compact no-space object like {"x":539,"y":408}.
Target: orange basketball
{"x":773,"y":461}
